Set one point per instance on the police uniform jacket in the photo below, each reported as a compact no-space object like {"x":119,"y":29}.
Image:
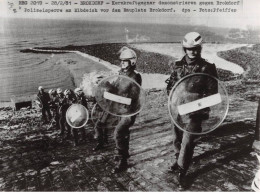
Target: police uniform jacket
{"x":81,"y":99}
{"x":195,"y":87}
{"x":204,"y":85}
{"x":45,"y":98}
{"x":127,"y":87}
{"x":54,"y":100}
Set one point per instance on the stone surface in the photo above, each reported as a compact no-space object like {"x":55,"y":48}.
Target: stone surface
{"x":36,"y":159}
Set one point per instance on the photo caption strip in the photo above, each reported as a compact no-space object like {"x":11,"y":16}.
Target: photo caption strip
{"x":113,"y":8}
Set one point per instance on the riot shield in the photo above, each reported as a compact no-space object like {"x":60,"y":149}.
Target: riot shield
{"x":77,"y":116}
{"x":198,"y":103}
{"x":109,"y":121}
{"x":119,"y":95}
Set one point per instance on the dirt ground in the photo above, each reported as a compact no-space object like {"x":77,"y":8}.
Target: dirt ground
{"x":36,"y":159}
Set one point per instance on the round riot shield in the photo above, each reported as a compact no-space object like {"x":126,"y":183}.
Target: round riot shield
{"x":120,"y":96}
{"x":77,"y":116}
{"x":38,"y":103}
{"x":198,"y":103}
{"x":109,"y":121}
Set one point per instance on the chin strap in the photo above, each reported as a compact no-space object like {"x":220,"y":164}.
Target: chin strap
{"x":128,"y":70}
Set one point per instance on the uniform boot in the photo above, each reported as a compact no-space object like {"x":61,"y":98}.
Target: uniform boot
{"x":76,"y":142}
{"x":100,"y":144}
{"x":68,"y":136}
{"x":121,"y":166}
{"x":105,"y":137}
{"x":76,"y":137}
{"x":57,"y":122}
{"x":62,"y":126}
{"x":174,"y":166}
{"x":83,"y":134}
{"x":100,"y":139}
{"x":44,"y":117}
{"x":68,"y":128}
{"x":182,"y":177}
{"x":116,"y":158}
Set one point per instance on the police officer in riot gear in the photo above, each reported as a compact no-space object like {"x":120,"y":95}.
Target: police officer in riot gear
{"x":192,"y":62}
{"x":45,"y":98}
{"x":80,"y":99}
{"x":54,"y":101}
{"x":63,"y":106}
{"x":100,"y":127}
{"x":69,"y":99}
{"x":122,"y":134}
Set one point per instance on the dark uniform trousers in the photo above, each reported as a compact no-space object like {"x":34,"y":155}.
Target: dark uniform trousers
{"x":61,"y":110}
{"x":44,"y":97}
{"x":184,"y":142}
{"x":79,"y":100}
{"x":54,"y":109}
{"x":257,"y":131}
{"x":64,"y":125}
{"x":76,"y":135}
{"x":122,"y":132}
{"x":101,"y":129}
{"x":122,"y":136}
{"x":46,"y":112}
{"x":56,"y":118}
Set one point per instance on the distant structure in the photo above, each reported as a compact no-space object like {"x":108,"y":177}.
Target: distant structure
{"x":126,"y":35}
{"x":136,"y":39}
{"x":236,"y":33}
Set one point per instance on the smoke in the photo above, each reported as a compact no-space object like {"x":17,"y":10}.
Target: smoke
{"x":90,"y":81}
{"x":137,"y":38}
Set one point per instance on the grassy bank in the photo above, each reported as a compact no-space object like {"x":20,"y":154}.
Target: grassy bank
{"x":148,"y":62}
{"x":246,"y":57}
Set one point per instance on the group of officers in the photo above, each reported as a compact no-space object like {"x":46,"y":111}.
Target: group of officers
{"x":54,"y":106}
{"x":59,"y":101}
{"x":183,"y":142}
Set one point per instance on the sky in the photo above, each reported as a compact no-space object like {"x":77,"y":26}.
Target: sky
{"x":247,"y":13}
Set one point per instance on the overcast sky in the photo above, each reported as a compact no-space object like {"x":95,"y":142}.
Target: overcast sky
{"x":247,"y":14}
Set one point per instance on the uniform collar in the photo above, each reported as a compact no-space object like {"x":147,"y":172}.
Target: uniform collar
{"x":128,"y":73}
{"x":189,"y":61}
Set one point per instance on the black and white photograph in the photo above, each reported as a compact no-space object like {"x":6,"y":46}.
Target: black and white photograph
{"x":129,"y":96}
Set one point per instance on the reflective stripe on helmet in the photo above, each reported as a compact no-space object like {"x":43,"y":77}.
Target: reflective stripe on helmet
{"x":191,"y":40}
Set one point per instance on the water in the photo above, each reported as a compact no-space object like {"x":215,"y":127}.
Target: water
{"x":22,"y":73}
